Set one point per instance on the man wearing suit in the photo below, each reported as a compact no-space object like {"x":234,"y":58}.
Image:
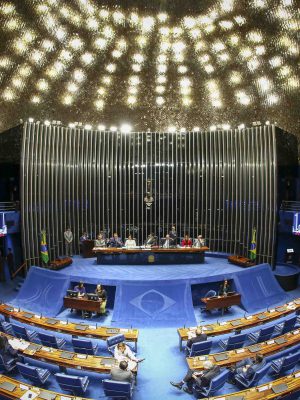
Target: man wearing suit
{"x":248,"y":367}
{"x":115,"y":241}
{"x":121,"y":374}
{"x":200,"y":337}
{"x":151,"y":240}
{"x":167,"y":242}
{"x":201,"y":378}
{"x":7,"y":352}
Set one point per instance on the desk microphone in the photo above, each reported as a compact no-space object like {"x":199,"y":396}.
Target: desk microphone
{"x":131,"y":327}
{"x":184,"y":326}
{"x":245,"y":315}
{"x":41,"y":315}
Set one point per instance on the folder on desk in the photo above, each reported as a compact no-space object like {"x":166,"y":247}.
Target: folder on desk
{"x":47,"y":396}
{"x":282,"y":387}
{"x":28,"y":315}
{"x":51,"y":321}
{"x":280,"y":340}
{"x":262,"y":316}
{"x":236,"y":322}
{"x":67,"y":355}
{"x":112,"y":330}
{"x":34,"y":347}
{"x":221,"y":357}
{"x":9,"y":387}
{"x":81,"y":327}
{"x":254,"y":349}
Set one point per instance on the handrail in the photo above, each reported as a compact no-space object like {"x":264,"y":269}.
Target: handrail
{"x":19,"y":269}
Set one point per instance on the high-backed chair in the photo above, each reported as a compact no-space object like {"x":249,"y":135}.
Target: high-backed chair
{"x":285,"y":364}
{"x":6,"y":328}
{"x":77,"y":385}
{"x":84,"y":346}
{"x":51,"y":340}
{"x":258,"y":375}
{"x":262,"y":335}
{"x":7,"y":365}
{"x":233,"y":342}
{"x":215,"y":384}
{"x":38,"y":376}
{"x":199,"y":348}
{"x":117,"y":390}
{"x":285,"y":326}
{"x":23,"y":333}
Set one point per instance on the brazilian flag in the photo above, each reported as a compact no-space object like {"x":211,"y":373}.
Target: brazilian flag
{"x":44,"y":248}
{"x":253,"y":246}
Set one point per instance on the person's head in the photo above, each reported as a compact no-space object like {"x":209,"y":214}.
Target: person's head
{"x":207,"y":365}
{"x":81,"y":284}
{"x":259,"y":358}
{"x":84,"y":234}
{"x":151,"y":234}
{"x":99,"y":286}
{"x":199,"y":237}
{"x":100,"y":236}
{"x":198,"y":331}
{"x":115,"y":235}
{"x":173,"y":228}
{"x":68,"y":228}
{"x":123,"y":365}
{"x":167,"y":236}
{"x":129,"y":237}
{"x":186,"y":236}
{"x":226,"y":282}
{"x":121,"y":346}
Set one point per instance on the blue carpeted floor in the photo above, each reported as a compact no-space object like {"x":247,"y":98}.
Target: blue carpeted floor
{"x":164,"y":361}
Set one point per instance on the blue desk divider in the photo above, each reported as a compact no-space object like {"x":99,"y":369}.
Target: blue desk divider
{"x":42,"y":291}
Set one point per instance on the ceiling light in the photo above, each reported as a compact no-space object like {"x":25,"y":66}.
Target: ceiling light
{"x":126,"y":128}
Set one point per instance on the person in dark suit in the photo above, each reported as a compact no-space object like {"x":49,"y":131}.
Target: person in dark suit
{"x":151,"y":240}
{"x":115,"y":241}
{"x":7,"y":351}
{"x":200,"y":337}
{"x":173,"y":234}
{"x":248,"y":367}
{"x":200,"y":378}
{"x":121,"y":373}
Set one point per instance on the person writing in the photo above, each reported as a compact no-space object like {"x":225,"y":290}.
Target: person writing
{"x":80,"y":289}
{"x":101,"y":292}
{"x":199,"y":242}
{"x":130,"y":242}
{"x":115,"y":241}
{"x":186,"y":241}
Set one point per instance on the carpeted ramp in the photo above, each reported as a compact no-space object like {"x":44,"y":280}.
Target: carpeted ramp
{"x":42,"y":291}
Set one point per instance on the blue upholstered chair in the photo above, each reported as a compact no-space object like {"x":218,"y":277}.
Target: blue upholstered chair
{"x":285,"y":326}
{"x":233,"y":342}
{"x":6,"y":328}
{"x":215,"y":384}
{"x":258,"y":375}
{"x":117,"y":390}
{"x":7,"y":365}
{"x":51,"y":340}
{"x":38,"y":376}
{"x":285,"y":364}
{"x":72,"y":383}
{"x":84,"y":346}
{"x":23,"y":333}
{"x":199,"y":348}
{"x":262,"y":335}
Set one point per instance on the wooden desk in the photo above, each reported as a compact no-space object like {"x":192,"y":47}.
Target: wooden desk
{"x":71,"y":328}
{"x":233,"y":356}
{"x":82,"y":303}
{"x":225,"y":327}
{"x":87,"y":248}
{"x":153,"y":255}
{"x":221,"y":301}
{"x":241,"y":261}
{"x":22,"y":388}
{"x":49,"y":355}
{"x":265,"y":391}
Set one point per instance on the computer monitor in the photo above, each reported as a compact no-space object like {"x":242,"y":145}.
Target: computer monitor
{"x":72,"y":293}
{"x":92,"y":296}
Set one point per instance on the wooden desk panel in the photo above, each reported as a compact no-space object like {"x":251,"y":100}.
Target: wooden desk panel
{"x":82,"y":303}
{"x":92,"y":331}
{"x":79,"y":361}
{"x":266,"y":348}
{"x":221,"y":301}
{"x":121,"y":250}
{"x":242,"y":323}
{"x":265,"y":391}
{"x":241,"y":261}
{"x":21,"y":389}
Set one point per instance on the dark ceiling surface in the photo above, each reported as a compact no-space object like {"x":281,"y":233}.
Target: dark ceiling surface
{"x":150,"y":63}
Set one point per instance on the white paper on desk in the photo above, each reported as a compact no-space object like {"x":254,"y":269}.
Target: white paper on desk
{"x":272,"y":310}
{"x":65,"y":398}
{"x":16,"y":310}
{"x":46,"y":349}
{"x":249,"y":317}
{"x":296,"y":332}
{"x":63,"y":322}
{"x":297,"y":375}
{"x":124,"y":330}
{"x":291,"y":307}
{"x":263,"y":388}
{"x":239,"y":351}
{"x":131,"y":365}
{"x":191,"y":335}
{"x":93,"y":327}
{"x":17,"y":344}
{"x":30,"y":393}
{"x":82,"y":356}
{"x":223,"y":323}
{"x":37,"y":316}
{"x":23,"y":387}
{"x":270,"y":341}
{"x":202,"y":358}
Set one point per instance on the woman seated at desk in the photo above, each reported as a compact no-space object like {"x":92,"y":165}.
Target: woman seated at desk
{"x":122,"y":352}
{"x":100,"y":241}
{"x":101,"y":292}
{"x":130,"y":242}
{"x":186,"y":241}
{"x":80,"y":289}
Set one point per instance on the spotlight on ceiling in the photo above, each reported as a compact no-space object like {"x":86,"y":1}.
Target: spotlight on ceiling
{"x":88,"y":127}
{"x":196,"y":129}
{"x":72,"y":125}
{"x":267,"y":122}
{"x":30,"y":119}
{"x":241,"y":126}
{"x":126,"y":128}
{"x":226,"y":127}
{"x":182,"y":130}
{"x":172,"y":129}
{"x":113,"y":129}
{"x":46,"y":122}
{"x":212,"y":128}
{"x":101,"y":127}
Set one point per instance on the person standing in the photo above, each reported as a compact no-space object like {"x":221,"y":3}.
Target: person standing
{"x":10,"y":262}
{"x":68,"y":235}
{"x":173,"y":234}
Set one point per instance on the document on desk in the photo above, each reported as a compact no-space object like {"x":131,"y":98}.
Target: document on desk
{"x":29,"y":395}
{"x":17,"y":344}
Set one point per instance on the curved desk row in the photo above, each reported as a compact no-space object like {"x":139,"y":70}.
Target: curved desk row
{"x":270,"y":390}
{"x":71,"y":328}
{"x":225,"y":327}
{"x":14,"y":389}
{"x":62,"y":358}
{"x":228,"y":358}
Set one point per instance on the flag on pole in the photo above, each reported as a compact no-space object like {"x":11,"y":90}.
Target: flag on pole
{"x":44,"y":248}
{"x":253,"y":245}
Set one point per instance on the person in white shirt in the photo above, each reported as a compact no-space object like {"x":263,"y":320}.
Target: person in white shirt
{"x":199,"y":241}
{"x":130,"y":242}
{"x":123,"y":353}
{"x":168,"y":242}
{"x":68,"y":236}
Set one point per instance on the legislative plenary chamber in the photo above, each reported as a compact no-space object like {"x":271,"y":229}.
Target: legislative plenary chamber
{"x":149,"y":199}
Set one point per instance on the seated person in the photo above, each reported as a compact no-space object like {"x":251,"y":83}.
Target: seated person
{"x":115,"y":241}
{"x":80,"y":289}
{"x":200,"y":337}
{"x":130,"y":242}
{"x":100,"y":241}
{"x":173,"y":234}
{"x":186,"y":241}
{"x":83,"y":237}
{"x":199,"y":242}
{"x":151,"y":240}
{"x":101,"y":292}
{"x":121,"y":373}
{"x":123,"y":352}
{"x":167,"y":242}
{"x":224,"y":288}
{"x":7,"y":352}
{"x":200,"y":378}
{"x":248,"y":367}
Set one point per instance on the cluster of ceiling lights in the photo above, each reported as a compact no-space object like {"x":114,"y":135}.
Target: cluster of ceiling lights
{"x":194,"y":50}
